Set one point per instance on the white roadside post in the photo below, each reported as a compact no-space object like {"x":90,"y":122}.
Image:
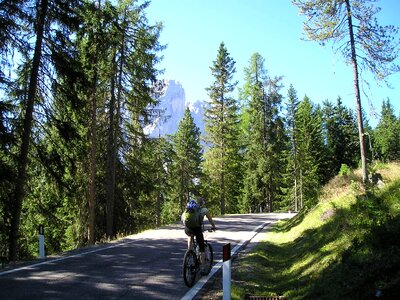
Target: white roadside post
{"x":41,"y":242}
{"x":226,"y":272}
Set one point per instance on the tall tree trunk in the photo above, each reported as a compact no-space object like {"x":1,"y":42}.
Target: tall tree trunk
{"x":296,"y":200}
{"x":357,"y":92}
{"x":159,"y":203}
{"x":270,"y":196}
{"x":301,"y":189}
{"x":27,"y":128}
{"x":115,"y":104}
{"x":182,"y":192}
{"x":159,"y":183}
{"x":223,"y":204}
{"x":92,"y":167}
{"x":296,"y":206}
{"x":111,"y":157}
{"x":222,"y":191}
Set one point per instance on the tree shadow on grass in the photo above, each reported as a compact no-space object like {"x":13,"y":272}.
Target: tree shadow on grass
{"x":355,"y":254}
{"x":289,"y":224}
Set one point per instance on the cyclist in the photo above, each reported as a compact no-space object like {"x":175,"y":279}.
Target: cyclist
{"x":192,"y":218}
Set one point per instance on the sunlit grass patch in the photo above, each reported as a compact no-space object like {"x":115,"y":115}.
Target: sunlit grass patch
{"x":346,"y":247}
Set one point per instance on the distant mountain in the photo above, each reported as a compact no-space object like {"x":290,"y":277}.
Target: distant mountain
{"x":197,"y":110}
{"x":173,"y":103}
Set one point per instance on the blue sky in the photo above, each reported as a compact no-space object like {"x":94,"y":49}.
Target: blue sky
{"x":194,"y":29}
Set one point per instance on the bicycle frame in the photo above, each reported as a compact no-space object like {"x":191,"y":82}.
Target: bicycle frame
{"x":193,"y":241}
{"x":192,"y":261}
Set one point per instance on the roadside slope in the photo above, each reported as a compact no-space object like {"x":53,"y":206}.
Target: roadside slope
{"x":346,"y":247}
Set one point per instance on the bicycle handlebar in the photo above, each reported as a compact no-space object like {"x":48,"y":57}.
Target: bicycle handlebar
{"x":208,"y":229}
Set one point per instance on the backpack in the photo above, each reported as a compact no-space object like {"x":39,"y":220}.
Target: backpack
{"x":192,"y":217}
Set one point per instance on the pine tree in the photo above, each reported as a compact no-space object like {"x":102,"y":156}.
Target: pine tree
{"x":293,"y":163}
{"x":266,"y":145}
{"x":96,"y":78}
{"x":364,"y":43}
{"x":311,"y":151}
{"x":386,"y":135}
{"x":19,"y":194}
{"x":36,"y":75}
{"x":121,"y":88}
{"x":187,"y":160}
{"x":342,"y":141}
{"x":138,"y":94}
{"x":13,"y":18}
{"x":91,"y":39}
{"x":222,"y":159}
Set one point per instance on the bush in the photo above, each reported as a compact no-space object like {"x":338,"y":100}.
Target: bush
{"x":345,"y":170}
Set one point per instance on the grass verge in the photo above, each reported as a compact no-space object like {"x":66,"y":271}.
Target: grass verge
{"x":346,"y":247}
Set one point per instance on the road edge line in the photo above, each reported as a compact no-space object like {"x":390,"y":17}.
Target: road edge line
{"x":60,"y":259}
{"x":199,"y":285}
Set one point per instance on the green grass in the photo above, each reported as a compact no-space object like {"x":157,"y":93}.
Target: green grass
{"x":346,"y":247}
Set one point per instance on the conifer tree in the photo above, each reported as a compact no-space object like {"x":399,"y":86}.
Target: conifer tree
{"x":222,"y":159}
{"x":342,"y":140}
{"x":266,"y":145}
{"x":37,"y":59}
{"x":121,"y":88}
{"x":138,"y":94}
{"x":311,"y":151}
{"x":386,"y":135}
{"x":96,"y":77}
{"x":293,"y":161}
{"x":11,"y":20}
{"x":187,"y":160}
{"x":365,"y":44}
{"x":126,"y":18}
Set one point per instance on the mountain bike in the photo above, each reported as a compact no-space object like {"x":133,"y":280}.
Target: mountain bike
{"x":191,"y":261}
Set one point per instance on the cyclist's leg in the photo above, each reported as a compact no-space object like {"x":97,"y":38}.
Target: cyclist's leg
{"x":198,"y":232}
{"x":190,"y":235}
{"x":190,"y":242}
{"x":200,"y":241}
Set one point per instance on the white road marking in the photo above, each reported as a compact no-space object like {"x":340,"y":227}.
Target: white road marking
{"x":57,"y":259}
{"x":199,"y":285}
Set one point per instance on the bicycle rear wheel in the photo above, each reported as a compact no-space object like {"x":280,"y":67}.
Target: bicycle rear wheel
{"x":209,"y":257}
{"x":189,"y":268}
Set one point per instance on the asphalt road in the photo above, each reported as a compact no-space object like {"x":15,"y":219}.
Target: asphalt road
{"x":142,"y":266}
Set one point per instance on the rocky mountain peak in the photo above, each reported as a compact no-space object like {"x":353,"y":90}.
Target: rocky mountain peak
{"x":173,"y":103}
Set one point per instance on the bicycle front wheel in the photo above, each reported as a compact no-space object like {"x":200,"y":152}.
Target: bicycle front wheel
{"x":189,"y":268}
{"x":209,"y":257}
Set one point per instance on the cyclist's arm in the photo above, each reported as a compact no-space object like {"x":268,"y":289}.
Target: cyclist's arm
{"x":208,"y":215}
{"x":183,"y":218}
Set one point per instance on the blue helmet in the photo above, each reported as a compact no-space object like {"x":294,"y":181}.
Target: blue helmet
{"x":191,"y":204}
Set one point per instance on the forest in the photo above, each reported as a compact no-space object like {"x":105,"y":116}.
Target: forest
{"x":80,"y":81}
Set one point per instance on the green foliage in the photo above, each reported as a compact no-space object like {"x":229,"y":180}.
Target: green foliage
{"x":342,"y":137}
{"x":98,"y":88}
{"x":375,"y":44}
{"x":186,"y":174}
{"x":386,"y":135}
{"x":346,"y":247}
{"x":293,"y":193}
{"x":364,"y":43}
{"x":171,"y":212}
{"x":311,"y":151}
{"x":222,"y":160}
{"x":94,"y":71}
{"x":265,"y":139}
{"x":345,"y":170}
